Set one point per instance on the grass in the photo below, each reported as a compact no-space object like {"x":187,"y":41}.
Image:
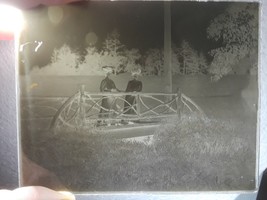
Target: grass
{"x":192,"y":153}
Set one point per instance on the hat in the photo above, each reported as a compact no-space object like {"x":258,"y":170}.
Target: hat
{"x":108,"y":69}
{"x":136,"y":72}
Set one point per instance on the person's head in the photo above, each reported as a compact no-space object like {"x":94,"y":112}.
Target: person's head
{"x":136,"y":74}
{"x":108,"y":70}
{"x":108,"y":74}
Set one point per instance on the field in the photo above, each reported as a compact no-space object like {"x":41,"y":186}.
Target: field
{"x":191,"y":153}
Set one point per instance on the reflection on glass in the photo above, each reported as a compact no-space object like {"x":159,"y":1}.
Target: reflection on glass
{"x":140,"y":96}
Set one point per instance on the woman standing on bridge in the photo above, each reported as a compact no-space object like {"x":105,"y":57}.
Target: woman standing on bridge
{"x":134,"y":85}
{"x":107,"y":85}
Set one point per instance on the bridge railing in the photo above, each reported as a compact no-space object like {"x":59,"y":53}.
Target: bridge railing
{"x":84,"y":107}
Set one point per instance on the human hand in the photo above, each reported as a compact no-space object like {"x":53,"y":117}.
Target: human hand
{"x":34,"y":174}
{"x":33,"y":3}
{"x":35,"y":193}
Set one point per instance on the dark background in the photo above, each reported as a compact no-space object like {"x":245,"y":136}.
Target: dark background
{"x":140,"y":25}
{"x":8,"y":121}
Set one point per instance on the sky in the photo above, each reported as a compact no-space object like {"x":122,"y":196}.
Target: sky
{"x":140,"y":24}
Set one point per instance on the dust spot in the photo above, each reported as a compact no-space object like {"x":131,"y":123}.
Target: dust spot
{"x":91,"y":38}
{"x":55,"y":14}
{"x":32,"y":86}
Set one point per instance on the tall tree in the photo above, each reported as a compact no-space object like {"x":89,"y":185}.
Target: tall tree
{"x":154,"y":62}
{"x":176,"y":66}
{"x":112,"y":52}
{"x":132,"y":56}
{"x":92,"y":62}
{"x":192,"y":61}
{"x":237,"y":31}
{"x":64,"y":61}
{"x":66,"y":56}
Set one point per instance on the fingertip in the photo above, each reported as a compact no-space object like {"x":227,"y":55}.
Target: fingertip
{"x":41,"y":193}
{"x":6,"y":194}
{"x":68,"y":195}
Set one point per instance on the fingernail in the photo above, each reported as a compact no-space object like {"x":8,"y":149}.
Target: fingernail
{"x":67,"y":195}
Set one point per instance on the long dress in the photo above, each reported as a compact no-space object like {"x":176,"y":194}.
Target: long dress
{"x":108,"y":102}
{"x":133,"y":86}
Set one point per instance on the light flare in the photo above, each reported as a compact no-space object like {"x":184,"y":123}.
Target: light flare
{"x":11,"y":20}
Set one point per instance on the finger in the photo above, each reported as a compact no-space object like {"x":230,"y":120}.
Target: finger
{"x":24,"y":4}
{"x":40,"y":193}
{"x":5,"y":194}
{"x":57,"y":2}
{"x":34,"y":174}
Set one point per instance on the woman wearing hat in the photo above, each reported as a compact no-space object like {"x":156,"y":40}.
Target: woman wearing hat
{"x":133,"y":85}
{"x":107,"y":85}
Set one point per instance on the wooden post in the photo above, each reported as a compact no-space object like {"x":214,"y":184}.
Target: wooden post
{"x":179,"y":102}
{"x":138,"y":108}
{"x":82,"y":108}
{"x":184,"y":70}
{"x":167,"y":46}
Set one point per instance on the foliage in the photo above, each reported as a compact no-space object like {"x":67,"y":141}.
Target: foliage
{"x":237,"y":31}
{"x":65,"y":56}
{"x":202,"y":64}
{"x":185,"y":60}
{"x":115,"y":54}
{"x":154,"y":62}
{"x":64,"y":61}
{"x":112,"y":52}
{"x":132,"y":56}
{"x":112,"y":43}
{"x":191,"y":153}
{"x":92,"y":62}
{"x":176,"y":65}
{"x":192,"y":61}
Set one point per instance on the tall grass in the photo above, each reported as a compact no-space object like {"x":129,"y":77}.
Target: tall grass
{"x":191,"y":153}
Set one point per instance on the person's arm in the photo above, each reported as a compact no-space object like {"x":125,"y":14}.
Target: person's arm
{"x":113,"y":86}
{"x":128,"y":86}
{"x":35,"y":193}
{"x":34,"y":174}
{"x":140,"y":87}
{"x":103,"y":86}
{"x":26,"y":4}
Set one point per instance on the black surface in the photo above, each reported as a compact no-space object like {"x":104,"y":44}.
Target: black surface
{"x":262,"y":193}
{"x":8,"y":133}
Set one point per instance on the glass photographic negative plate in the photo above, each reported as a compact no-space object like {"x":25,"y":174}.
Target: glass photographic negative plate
{"x":140,"y":96}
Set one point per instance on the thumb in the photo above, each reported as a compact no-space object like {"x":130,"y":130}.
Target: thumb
{"x":40,"y":193}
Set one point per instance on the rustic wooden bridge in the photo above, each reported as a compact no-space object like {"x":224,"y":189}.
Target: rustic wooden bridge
{"x":85,"y":109}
